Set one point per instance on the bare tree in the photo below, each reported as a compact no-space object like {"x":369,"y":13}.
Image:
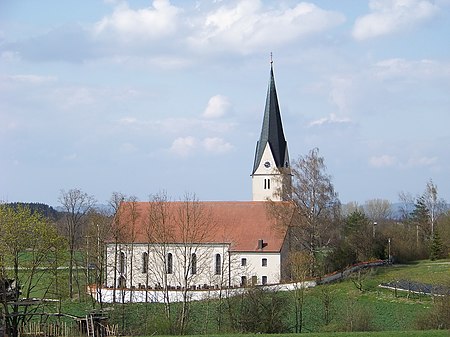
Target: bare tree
{"x":299,"y":263}
{"x":378,"y":210}
{"x":195,"y":224}
{"x":98,"y":231}
{"x":313,"y":207}
{"x":118,"y":232}
{"x":178,"y":255}
{"x":76,"y":205}
{"x":436,"y":206}
{"x":132,"y":219}
{"x":160,"y":234}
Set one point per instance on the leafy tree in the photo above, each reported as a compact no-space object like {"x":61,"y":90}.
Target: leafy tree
{"x":358,"y":234}
{"x":437,"y":248}
{"x":28,"y":243}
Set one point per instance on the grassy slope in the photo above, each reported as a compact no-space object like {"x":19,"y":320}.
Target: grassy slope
{"x":389,"y":312}
{"x":434,"y":333}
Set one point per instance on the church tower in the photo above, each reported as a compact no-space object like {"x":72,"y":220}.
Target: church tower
{"x":271,"y":176}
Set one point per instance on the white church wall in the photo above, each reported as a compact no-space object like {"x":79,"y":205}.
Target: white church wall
{"x":230,"y":270}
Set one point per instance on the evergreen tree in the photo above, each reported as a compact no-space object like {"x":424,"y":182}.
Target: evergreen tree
{"x":437,"y":247}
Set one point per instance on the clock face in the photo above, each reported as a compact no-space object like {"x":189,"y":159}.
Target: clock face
{"x":267,"y":164}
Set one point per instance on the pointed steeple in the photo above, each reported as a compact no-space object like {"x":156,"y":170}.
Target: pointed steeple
{"x":272,"y":129}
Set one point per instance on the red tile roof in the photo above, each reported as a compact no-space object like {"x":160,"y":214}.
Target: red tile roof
{"x":242,"y":224}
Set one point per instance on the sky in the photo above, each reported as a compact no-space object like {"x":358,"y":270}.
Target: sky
{"x":141,"y":96}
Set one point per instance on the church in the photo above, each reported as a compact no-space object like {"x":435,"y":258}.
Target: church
{"x":195,"y":245}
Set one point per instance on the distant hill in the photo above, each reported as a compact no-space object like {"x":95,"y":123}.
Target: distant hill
{"x":45,"y":210}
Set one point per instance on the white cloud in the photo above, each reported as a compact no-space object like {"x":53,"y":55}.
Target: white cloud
{"x":390,"y":16}
{"x":421,"y":161}
{"x":247,"y":26}
{"x":332,"y":119}
{"x":127,"y":148}
{"x":183,"y":146}
{"x":31,"y":79}
{"x":382,"y":161}
{"x":186,"y":146}
{"x":155,"y":22}
{"x":216,"y":145}
{"x":397,"y":67}
{"x":128,"y":120}
{"x":409,"y":163}
{"x":9,"y":56}
{"x":217,"y":107}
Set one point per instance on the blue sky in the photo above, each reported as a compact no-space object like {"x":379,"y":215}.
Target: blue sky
{"x":143,"y":96}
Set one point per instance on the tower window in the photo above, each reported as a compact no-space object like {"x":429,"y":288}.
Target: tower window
{"x":267,"y":184}
{"x":243,"y":262}
{"x":264,"y":262}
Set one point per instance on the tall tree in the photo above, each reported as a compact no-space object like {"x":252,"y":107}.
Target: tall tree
{"x":313,"y":208}
{"x":118,"y":233}
{"x":179,"y":256}
{"x":98,"y":231}
{"x":76,"y":205}
{"x":436,"y":206}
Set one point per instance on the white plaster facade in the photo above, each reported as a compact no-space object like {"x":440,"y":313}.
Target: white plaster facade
{"x":141,"y":265}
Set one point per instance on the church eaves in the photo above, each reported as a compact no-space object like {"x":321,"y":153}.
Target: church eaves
{"x":272,"y":129}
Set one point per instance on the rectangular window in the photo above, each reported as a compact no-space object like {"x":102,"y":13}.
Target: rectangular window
{"x":264,"y":262}
{"x":243,"y":262}
{"x":264,"y":280}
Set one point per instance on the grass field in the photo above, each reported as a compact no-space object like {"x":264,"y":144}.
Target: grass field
{"x":411,"y":333}
{"x":390,"y":313}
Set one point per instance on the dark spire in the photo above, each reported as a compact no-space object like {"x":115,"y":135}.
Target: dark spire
{"x":272,"y":128}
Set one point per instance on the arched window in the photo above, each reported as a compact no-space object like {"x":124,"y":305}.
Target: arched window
{"x":122,"y":263}
{"x":144,"y":262}
{"x":169,"y":263}
{"x":218,"y":264}
{"x":194,"y":264}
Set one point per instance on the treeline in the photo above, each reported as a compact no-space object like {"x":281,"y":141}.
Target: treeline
{"x":36,"y":207}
